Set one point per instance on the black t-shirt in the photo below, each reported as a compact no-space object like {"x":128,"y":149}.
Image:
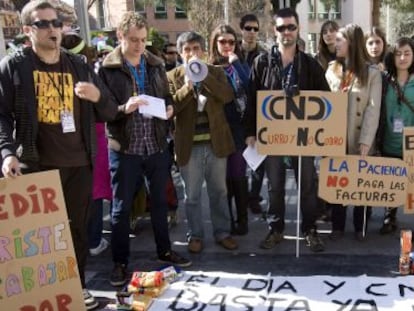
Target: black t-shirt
{"x":54,"y":90}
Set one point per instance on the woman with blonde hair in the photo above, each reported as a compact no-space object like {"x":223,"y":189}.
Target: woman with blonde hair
{"x":352,"y":73}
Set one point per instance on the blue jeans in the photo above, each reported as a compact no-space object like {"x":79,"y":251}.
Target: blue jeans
{"x":127,"y":178}
{"x":275,"y":168}
{"x":204,"y":165}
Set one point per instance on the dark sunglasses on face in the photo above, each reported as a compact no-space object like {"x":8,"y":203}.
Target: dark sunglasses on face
{"x":250,"y":28}
{"x":171,"y":52}
{"x":45,"y":24}
{"x":224,"y":41}
{"x":283,"y":28}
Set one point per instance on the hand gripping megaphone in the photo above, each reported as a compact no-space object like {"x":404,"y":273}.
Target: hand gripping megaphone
{"x":196,"y":70}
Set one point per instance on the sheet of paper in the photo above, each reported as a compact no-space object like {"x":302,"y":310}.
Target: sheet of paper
{"x":155,"y":107}
{"x":252,"y":157}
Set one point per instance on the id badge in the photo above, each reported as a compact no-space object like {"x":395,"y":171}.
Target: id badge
{"x":68,"y":122}
{"x":398,"y":125}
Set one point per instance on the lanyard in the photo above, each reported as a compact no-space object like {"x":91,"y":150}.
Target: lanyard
{"x":139,"y":75}
{"x":231,"y":73}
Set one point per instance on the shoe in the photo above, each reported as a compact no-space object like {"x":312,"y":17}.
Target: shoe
{"x":174,"y":259}
{"x":271,"y":240}
{"x":389,"y":226}
{"x":336,"y":235}
{"x":90,"y":301}
{"x":195,"y":245}
{"x":228,"y":243}
{"x":255,"y":207}
{"x":314,"y":242}
{"x":103,"y":245}
{"x":118,"y":275}
{"x":359,"y":236}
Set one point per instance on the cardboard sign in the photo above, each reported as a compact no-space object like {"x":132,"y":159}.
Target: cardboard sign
{"x":310,"y":124}
{"x":408,"y":156}
{"x":38,"y":268}
{"x":371,"y":181}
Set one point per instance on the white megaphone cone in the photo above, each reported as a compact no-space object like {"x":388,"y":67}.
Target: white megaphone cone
{"x":196,"y":70}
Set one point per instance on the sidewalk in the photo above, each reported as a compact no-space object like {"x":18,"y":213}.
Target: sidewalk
{"x":376,"y":256}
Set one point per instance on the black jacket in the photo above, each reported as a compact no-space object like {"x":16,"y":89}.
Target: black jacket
{"x":18,"y":107}
{"x":265,"y":76}
{"x":119,"y":80}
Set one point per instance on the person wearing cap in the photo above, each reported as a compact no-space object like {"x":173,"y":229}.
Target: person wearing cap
{"x":203,"y":140}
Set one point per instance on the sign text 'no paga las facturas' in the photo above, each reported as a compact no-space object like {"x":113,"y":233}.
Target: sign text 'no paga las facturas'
{"x":38,"y":268}
{"x":356,"y":180}
{"x":310,"y":124}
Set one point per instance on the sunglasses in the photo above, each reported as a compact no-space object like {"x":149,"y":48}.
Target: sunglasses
{"x":45,"y":24}
{"x":250,"y":28}
{"x":224,"y":41}
{"x":171,"y":52}
{"x":289,"y":27}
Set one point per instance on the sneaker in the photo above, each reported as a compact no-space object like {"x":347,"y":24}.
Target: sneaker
{"x":389,"y":225}
{"x":272,"y":238}
{"x":103,"y":245}
{"x":174,"y":259}
{"x":90,"y":301}
{"x":118,"y":275}
{"x":314,"y":242}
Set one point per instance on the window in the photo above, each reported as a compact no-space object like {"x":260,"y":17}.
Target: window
{"x":312,"y":11}
{"x":139,"y":6}
{"x":312,"y":44}
{"x":160,"y":9}
{"x":180,"y":9}
{"x":329,"y":9}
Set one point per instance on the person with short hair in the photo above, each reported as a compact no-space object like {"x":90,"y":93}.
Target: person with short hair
{"x":170,"y":56}
{"x":53,"y":130}
{"x":138,"y":146}
{"x":290,"y":70}
{"x":202,"y":141}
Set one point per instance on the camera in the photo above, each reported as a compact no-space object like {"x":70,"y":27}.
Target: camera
{"x":292,"y":90}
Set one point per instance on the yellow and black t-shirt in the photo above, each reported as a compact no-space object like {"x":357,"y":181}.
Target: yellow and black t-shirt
{"x":54,"y":88}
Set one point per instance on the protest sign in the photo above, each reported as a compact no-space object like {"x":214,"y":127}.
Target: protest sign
{"x":408,"y":153}
{"x":310,"y":124}
{"x":355,"y":180}
{"x":212,"y":291}
{"x":38,"y":268}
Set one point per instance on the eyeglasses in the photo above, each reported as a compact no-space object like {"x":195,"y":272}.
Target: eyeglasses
{"x":250,"y":28}
{"x":171,"y":52}
{"x":224,"y":41}
{"x":45,"y":24}
{"x":283,"y":28}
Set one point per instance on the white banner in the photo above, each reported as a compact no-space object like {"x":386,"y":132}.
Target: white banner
{"x":219,"y":291}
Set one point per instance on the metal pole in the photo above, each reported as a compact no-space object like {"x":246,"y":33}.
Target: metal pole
{"x":83,"y":20}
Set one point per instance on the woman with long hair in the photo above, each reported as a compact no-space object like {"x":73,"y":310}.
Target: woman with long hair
{"x":376,"y":45}
{"x":352,"y":73}
{"x":326,"y":46}
{"x":397,"y":109}
{"x":225,"y":51}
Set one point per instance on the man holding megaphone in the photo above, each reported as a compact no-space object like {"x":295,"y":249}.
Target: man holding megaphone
{"x":202,"y":139}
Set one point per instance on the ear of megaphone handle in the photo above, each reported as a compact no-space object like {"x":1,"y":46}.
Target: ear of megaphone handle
{"x":196,"y":70}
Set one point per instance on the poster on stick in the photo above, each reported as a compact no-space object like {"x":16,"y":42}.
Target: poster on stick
{"x":408,"y":153}
{"x":38,"y":268}
{"x":371,"y":181}
{"x":310,"y":124}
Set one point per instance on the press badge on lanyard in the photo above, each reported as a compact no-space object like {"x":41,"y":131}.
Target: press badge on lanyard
{"x":398,"y":125}
{"x":68,"y":122}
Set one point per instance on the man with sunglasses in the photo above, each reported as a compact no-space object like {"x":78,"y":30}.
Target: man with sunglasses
{"x":289,"y":69}
{"x":171,"y":57}
{"x":49,"y":101}
{"x":249,"y":25}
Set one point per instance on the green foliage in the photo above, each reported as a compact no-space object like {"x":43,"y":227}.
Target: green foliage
{"x":157,"y":40}
{"x":400,"y":5}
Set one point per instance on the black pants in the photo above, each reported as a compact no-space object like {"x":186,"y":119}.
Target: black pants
{"x":338,"y":217}
{"x":276,"y":173}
